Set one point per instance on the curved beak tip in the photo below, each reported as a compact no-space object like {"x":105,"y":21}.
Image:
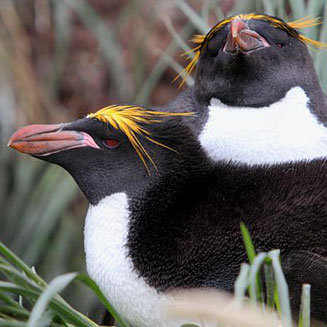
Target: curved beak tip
{"x":13,"y":140}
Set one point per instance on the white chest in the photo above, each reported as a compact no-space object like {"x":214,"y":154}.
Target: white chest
{"x":105,"y":233}
{"x":284,"y":131}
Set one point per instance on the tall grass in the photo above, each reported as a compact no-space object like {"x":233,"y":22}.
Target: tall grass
{"x":47,"y":306}
{"x":61,"y":59}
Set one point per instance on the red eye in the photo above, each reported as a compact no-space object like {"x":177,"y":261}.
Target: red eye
{"x":111,"y":143}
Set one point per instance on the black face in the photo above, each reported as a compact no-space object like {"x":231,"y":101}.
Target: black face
{"x":113,"y":167}
{"x":258,"y":77}
{"x":103,"y":161}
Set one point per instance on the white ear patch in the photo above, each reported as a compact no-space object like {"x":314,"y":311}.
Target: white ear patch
{"x":284,"y":131}
{"x":106,"y":229}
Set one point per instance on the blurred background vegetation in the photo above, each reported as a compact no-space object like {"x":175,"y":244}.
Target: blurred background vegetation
{"x":61,"y":59}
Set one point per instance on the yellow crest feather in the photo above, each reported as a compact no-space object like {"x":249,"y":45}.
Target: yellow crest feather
{"x":305,"y":22}
{"x":291,"y":28}
{"x":130,"y":120}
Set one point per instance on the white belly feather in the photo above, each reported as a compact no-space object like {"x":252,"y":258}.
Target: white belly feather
{"x":283,"y":131}
{"x":105,"y":233}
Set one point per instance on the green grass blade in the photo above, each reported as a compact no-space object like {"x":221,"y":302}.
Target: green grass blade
{"x":249,"y":247}
{"x":282,"y":288}
{"x":58,"y":306}
{"x":305,"y":306}
{"x":255,"y":291}
{"x":255,"y":287}
{"x":241,"y":283}
{"x":56,"y":286}
{"x":270,"y":284}
{"x":19,"y":290}
{"x":13,"y":323}
{"x":29,"y":287}
{"x":14,"y":310}
{"x":8,"y":300}
{"x":22,"y":265}
{"x":18,"y":278}
{"x":276,"y":300}
{"x":86,"y":280}
{"x":6,"y":323}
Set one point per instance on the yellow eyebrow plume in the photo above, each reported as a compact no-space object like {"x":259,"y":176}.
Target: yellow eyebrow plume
{"x":305,"y":22}
{"x":130,"y":121}
{"x":291,"y":27}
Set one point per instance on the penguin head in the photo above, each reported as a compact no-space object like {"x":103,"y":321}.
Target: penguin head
{"x":253,"y":60}
{"x":121,"y":149}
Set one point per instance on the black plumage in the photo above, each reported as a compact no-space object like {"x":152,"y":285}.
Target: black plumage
{"x":184,"y":228}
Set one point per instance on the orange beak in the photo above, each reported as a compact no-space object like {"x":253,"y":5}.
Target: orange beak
{"x":241,"y":38}
{"x":42,"y":140}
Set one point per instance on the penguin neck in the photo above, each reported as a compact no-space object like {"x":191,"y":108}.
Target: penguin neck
{"x":252,"y":97}
{"x":289,"y":130}
{"x":256,"y":85}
